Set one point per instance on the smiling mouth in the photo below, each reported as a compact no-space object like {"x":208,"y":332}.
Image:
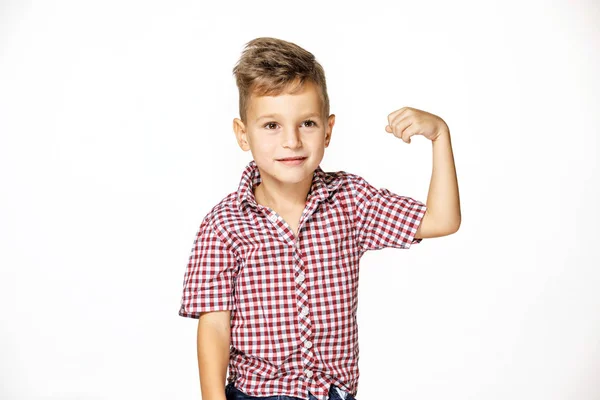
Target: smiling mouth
{"x":291,"y":159}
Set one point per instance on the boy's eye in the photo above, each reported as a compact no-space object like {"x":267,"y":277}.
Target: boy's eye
{"x":272,"y":125}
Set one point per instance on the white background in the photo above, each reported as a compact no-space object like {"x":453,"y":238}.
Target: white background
{"x":116,"y":139}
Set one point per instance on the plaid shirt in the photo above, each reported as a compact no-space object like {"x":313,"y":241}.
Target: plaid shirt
{"x":294,"y":301}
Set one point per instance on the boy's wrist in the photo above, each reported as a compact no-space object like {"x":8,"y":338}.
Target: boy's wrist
{"x":443,"y":135}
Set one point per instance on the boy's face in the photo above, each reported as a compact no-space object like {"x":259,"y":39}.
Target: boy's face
{"x":288,"y":125}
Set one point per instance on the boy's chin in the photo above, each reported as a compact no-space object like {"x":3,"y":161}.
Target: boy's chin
{"x":290,"y":172}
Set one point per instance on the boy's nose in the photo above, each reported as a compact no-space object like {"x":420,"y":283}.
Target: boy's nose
{"x":291,"y":138}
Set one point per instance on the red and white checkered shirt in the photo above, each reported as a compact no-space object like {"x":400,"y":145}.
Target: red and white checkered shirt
{"x":294,"y":301}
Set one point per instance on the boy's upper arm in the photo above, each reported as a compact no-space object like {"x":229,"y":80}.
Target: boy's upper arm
{"x":209,"y":277}
{"x":383,"y":218}
{"x":430,"y":228}
{"x":219,"y":320}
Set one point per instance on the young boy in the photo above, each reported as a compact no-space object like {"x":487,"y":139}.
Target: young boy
{"x":273,"y":273}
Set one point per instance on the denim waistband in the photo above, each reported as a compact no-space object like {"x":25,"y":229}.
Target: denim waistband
{"x":335,"y":393}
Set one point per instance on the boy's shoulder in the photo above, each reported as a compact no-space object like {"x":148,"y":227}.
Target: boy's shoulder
{"x":224,"y":210}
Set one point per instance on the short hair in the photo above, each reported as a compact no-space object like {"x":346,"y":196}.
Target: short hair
{"x":270,"y":66}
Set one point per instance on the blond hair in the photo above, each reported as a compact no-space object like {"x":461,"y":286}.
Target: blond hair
{"x":270,"y":66}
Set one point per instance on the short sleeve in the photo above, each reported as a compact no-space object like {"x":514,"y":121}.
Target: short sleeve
{"x":209,"y":277}
{"x":383,"y":218}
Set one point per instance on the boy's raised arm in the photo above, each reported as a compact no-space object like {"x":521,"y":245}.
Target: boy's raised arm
{"x":213,"y":353}
{"x":443,"y":216}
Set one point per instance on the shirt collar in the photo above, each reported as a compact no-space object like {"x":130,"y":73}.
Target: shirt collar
{"x":322,"y":184}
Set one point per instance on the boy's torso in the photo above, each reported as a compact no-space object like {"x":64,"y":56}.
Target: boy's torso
{"x":295,"y":290}
{"x":291,"y":280}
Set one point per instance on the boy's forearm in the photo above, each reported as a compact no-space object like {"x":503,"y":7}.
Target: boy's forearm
{"x":213,"y":358}
{"x":443,"y":203}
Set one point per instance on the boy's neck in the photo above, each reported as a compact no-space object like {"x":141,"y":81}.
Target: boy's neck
{"x":282,"y":197}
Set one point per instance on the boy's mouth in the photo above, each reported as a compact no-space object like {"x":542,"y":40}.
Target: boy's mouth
{"x":291,"y":158}
{"x":291,"y":161}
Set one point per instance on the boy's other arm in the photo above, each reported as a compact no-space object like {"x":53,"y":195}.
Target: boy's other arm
{"x":214,"y":337}
{"x":443,"y":215}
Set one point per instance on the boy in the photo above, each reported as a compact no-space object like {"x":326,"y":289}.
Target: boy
{"x":273,"y":274}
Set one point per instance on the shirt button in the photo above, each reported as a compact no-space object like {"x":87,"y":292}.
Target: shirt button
{"x":300,"y":278}
{"x":304,"y":311}
{"x":308,"y":344}
{"x":309,"y":374}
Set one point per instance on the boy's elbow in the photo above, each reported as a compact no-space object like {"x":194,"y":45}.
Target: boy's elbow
{"x":455,"y":226}
{"x":451,"y":227}
{"x":447,"y":229}
{"x":448,"y":224}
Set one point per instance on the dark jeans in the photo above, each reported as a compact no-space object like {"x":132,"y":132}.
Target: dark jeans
{"x":233,"y":393}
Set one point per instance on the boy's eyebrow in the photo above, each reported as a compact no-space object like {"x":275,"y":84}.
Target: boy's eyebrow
{"x":311,"y":114}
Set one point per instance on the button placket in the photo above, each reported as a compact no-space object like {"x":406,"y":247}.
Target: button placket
{"x":303,"y":306}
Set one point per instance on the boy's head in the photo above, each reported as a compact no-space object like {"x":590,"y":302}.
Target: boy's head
{"x":270,"y":67}
{"x":283,"y":106}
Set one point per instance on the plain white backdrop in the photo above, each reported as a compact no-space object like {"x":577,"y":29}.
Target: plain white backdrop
{"x":116,"y":139}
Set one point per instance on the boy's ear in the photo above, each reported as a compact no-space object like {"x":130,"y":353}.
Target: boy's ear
{"x":329,"y":130}
{"x":240,"y":133}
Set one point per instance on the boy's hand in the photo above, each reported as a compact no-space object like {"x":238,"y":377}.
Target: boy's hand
{"x":408,"y":121}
